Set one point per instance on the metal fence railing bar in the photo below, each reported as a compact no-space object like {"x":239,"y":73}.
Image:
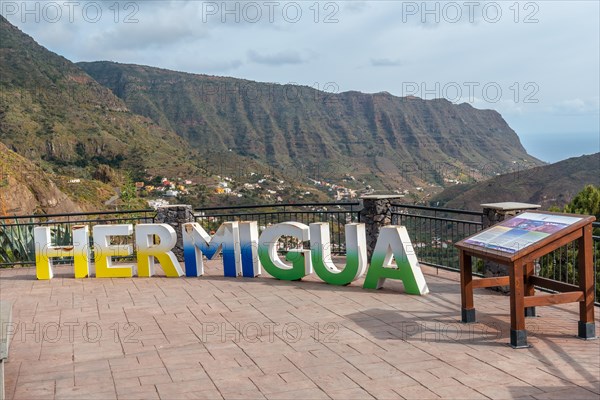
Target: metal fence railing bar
{"x":433,"y":232}
{"x":337,"y":215}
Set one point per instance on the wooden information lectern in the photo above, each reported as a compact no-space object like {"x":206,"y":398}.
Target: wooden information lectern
{"x":517,"y":243}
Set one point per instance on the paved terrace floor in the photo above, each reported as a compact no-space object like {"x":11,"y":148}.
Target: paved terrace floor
{"x":213,"y":337}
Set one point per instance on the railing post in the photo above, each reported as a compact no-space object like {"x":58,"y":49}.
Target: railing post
{"x":375,"y":214}
{"x":176,"y":216}
{"x":494,"y":213}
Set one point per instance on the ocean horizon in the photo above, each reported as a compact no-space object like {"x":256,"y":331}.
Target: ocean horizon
{"x":554,"y":147}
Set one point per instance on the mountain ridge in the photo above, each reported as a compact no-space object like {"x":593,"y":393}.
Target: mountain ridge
{"x":549,"y":185}
{"x":365,"y":134}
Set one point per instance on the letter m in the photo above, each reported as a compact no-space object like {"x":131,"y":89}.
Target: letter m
{"x":196,"y":242}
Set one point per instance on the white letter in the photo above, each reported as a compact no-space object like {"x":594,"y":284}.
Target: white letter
{"x":393,"y":244}
{"x":267,"y":251}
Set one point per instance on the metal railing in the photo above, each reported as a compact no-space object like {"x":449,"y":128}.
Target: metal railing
{"x":433,"y":231}
{"x":17,"y":245}
{"x":337,"y":215}
{"x":561,"y":264}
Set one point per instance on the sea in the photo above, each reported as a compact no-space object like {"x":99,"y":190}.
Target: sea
{"x":556,"y":147}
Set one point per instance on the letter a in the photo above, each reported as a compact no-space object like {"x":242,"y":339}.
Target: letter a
{"x":394,"y":243}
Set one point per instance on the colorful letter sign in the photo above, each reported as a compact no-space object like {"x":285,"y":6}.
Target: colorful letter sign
{"x":147,"y":250}
{"x":104,"y":251}
{"x":197,"y":242}
{"x":243,"y":250}
{"x":249,"y":249}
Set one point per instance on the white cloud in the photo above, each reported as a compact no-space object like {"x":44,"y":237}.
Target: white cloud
{"x":385,"y":62}
{"x":139,"y":37}
{"x":276,"y":59}
{"x":577,"y":106}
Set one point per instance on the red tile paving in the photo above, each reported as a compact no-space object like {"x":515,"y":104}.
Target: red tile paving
{"x":222,"y":338}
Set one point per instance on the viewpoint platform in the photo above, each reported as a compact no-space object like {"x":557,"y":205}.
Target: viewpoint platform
{"x":253,"y":338}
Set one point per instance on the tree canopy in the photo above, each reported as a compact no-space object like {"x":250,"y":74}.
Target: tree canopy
{"x":586,"y":202}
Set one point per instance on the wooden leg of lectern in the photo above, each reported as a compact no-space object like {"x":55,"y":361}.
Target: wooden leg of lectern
{"x":518,"y":334}
{"x":587,"y":329}
{"x":466,"y":287}
{"x":529,"y":288}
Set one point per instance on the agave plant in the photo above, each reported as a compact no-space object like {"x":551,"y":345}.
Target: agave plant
{"x":61,"y":235}
{"x":16,"y":243}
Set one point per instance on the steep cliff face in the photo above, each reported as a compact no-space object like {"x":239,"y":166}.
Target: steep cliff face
{"x":53,"y":112}
{"x":370,"y":134}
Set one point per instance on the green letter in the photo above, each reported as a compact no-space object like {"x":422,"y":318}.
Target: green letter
{"x":356,"y":253}
{"x":394,"y":243}
{"x":267,"y":252}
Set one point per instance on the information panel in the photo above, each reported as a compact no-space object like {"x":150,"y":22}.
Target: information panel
{"x":517,"y":233}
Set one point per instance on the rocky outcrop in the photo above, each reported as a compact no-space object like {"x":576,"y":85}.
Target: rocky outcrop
{"x":375,"y":214}
{"x":27,"y":189}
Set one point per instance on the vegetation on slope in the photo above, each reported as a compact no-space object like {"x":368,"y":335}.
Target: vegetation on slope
{"x":53,"y":113}
{"x":549,"y":185}
{"x":27,"y":189}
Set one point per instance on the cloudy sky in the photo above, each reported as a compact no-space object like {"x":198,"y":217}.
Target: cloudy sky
{"x":536,"y":62}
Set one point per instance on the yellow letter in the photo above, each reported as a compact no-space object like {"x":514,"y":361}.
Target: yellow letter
{"x":104,"y":251}
{"x":44,"y":251}
{"x":147,"y":250}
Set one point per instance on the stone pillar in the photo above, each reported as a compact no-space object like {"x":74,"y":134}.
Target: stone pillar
{"x":175,"y":215}
{"x":375,"y":214}
{"x":494,"y":213}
